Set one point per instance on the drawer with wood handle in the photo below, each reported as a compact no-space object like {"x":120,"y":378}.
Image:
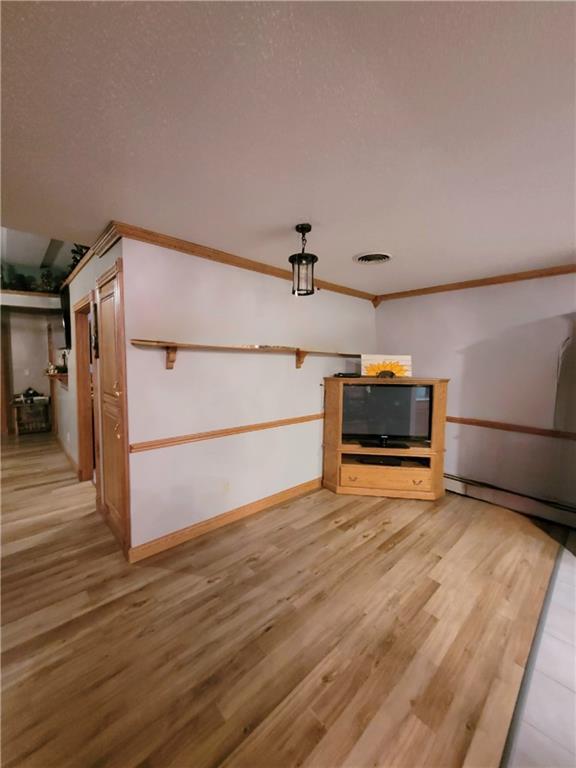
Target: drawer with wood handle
{"x":395,"y":478}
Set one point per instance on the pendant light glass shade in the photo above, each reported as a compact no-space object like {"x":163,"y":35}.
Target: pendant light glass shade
{"x":303,"y":273}
{"x":303,"y":266}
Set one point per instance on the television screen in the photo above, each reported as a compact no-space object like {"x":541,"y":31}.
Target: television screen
{"x":65,"y":303}
{"x":391,"y":410}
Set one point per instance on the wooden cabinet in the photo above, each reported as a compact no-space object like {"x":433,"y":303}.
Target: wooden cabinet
{"x":416,"y":471}
{"x":397,"y":479}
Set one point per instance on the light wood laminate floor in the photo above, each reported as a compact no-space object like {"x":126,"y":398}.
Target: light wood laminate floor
{"x":330,"y":631}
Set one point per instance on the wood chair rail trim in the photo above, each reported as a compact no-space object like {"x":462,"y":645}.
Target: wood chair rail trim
{"x":205,"y":526}
{"x":167,"y":442}
{"x":512,"y":277}
{"x":505,"y":427}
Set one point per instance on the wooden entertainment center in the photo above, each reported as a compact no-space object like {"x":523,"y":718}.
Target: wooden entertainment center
{"x":416,"y":471}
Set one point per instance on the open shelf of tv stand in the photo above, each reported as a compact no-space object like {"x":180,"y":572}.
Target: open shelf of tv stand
{"x":412,"y":450}
{"x":346,"y":473}
{"x":377,"y":460}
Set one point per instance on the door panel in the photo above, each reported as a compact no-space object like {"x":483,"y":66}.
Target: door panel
{"x":112,"y":462}
{"x":108,"y":352}
{"x":113,"y":443}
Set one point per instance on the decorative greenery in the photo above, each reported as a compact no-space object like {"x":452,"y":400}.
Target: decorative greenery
{"x":49,"y":282}
{"x":78,"y":253}
{"x":17,"y":281}
{"x":39,"y":279}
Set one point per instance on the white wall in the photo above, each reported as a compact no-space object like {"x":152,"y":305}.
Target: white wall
{"x":29,"y":342}
{"x":82,"y":284}
{"x":500,"y":347}
{"x":174,"y":296}
{"x":29,"y":347}
{"x":29,"y":300}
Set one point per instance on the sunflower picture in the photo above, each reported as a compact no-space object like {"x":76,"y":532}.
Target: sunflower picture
{"x":400,"y":365}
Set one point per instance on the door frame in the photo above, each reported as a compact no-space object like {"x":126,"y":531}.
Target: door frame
{"x":53,"y":396}
{"x":115,"y":272}
{"x":6,"y":418}
{"x":84,"y":419}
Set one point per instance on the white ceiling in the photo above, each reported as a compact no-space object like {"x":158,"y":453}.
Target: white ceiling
{"x":441,"y":133}
{"x":29,"y":250}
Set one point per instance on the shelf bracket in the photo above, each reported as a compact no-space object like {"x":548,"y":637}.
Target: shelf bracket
{"x":170,"y":357}
{"x":300,"y":357}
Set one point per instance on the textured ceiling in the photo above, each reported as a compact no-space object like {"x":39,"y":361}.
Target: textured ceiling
{"x":29,"y":250}
{"x":441,"y":133}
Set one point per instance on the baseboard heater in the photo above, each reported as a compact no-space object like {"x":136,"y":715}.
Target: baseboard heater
{"x":555,"y":511}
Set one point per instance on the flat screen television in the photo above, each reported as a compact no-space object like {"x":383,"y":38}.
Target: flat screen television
{"x":66,"y":318}
{"x":373,"y":414}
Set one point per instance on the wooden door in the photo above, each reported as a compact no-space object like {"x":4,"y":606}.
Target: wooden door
{"x":84,"y":405}
{"x":112,"y":482}
{"x":6,"y":374}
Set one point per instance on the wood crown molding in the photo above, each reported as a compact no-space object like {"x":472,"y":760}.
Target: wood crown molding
{"x":167,"y":442}
{"x":163,"y":543}
{"x":110,"y":273}
{"x":505,"y":427}
{"x":103,"y":243}
{"x":512,"y":277}
{"x":82,"y":304}
{"x":118,"y":229}
{"x":214,"y":254}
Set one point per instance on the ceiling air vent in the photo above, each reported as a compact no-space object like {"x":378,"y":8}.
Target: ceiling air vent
{"x":371,"y":258}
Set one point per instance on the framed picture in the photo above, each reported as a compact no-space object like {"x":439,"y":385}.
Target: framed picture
{"x":400,"y":365}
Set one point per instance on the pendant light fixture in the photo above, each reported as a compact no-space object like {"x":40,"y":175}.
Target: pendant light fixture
{"x":303,"y":265}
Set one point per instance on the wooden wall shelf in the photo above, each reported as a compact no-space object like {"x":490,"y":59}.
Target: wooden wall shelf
{"x":61,"y":377}
{"x":171,"y":348}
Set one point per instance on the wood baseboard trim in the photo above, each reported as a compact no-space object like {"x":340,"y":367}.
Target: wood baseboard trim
{"x":505,"y":427}
{"x":512,"y":277}
{"x":68,"y":456}
{"x":166,"y":442}
{"x":517,"y":502}
{"x":205,"y":526}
